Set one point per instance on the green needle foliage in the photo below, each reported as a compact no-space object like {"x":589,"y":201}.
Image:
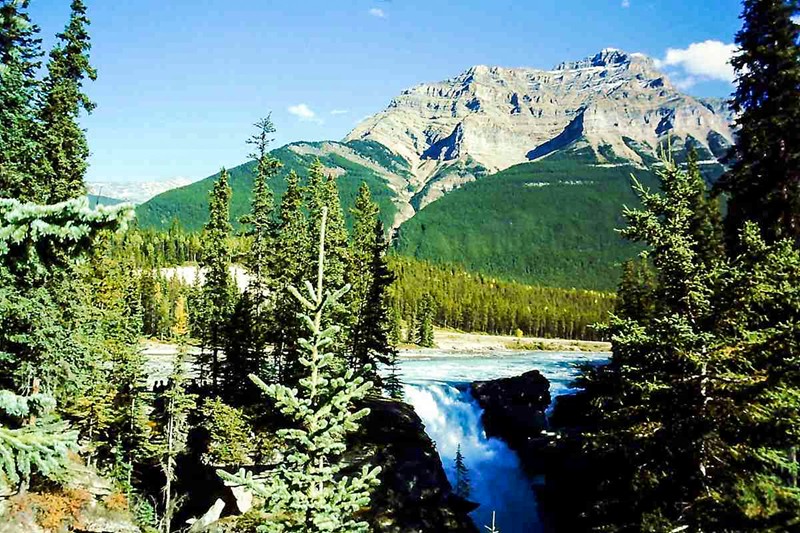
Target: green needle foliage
{"x":699,"y":409}
{"x":308,"y":491}
{"x":764,"y":184}
{"x":424,"y":327}
{"x":463,"y":487}
{"x":29,"y":443}
{"x":218,"y":287}
{"x":63,"y":140}
{"x":20,"y":54}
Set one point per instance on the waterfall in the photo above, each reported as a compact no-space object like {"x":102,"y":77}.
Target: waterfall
{"x":452,"y":417}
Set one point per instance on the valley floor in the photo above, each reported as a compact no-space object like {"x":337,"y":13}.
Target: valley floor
{"x":456,"y":342}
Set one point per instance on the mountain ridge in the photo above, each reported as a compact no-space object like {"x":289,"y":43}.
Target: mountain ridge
{"x":533,"y":139}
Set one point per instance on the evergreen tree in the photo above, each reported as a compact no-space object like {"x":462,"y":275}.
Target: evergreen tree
{"x":636,"y":294}
{"x":323,"y":193}
{"x":706,"y":221}
{"x":425,"y":315}
{"x":173,"y":418}
{"x":698,"y":409}
{"x":370,"y":278}
{"x":20,"y":52}
{"x":30,"y":442}
{"x":241,"y":357}
{"x":291,"y":265}
{"x":463,"y":487}
{"x":764,"y":184}
{"x":262,"y":229}
{"x":307,"y":492}
{"x":63,"y":140}
{"x":218,"y":286}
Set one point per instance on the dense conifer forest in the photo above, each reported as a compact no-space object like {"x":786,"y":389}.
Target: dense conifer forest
{"x":692,"y":425}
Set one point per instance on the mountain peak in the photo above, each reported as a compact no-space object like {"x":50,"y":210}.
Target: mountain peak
{"x":607,"y":57}
{"x":489,"y":118}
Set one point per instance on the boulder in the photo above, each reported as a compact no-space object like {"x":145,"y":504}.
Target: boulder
{"x":514,"y":408}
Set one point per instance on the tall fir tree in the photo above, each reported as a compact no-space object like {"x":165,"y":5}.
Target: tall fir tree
{"x":218,"y":289}
{"x":370,"y":278}
{"x":63,"y":141}
{"x":262,"y":230}
{"x":463,"y":487}
{"x":697,"y":410}
{"x":20,"y":53}
{"x":291,"y":266}
{"x":424,"y":322}
{"x":307,"y":492}
{"x":322,"y":193}
{"x":764,"y":184}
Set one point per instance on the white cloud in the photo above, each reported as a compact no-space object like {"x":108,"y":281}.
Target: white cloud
{"x":626,"y":3}
{"x":377,"y":12}
{"x":796,"y":19}
{"x":704,"y":61}
{"x":340,"y":111}
{"x":303,"y":112}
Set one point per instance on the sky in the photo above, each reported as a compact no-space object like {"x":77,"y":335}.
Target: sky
{"x":182,"y":81}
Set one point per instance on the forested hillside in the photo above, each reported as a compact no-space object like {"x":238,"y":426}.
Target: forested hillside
{"x":552,"y":222}
{"x":189,"y":206}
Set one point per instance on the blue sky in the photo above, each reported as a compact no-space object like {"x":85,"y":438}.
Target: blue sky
{"x":181,"y":81}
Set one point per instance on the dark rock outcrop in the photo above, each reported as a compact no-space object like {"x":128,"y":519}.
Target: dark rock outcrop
{"x":514,"y":408}
{"x":414,"y":494}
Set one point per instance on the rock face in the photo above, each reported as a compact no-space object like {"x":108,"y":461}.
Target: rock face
{"x":489,"y":118}
{"x":514,"y":408}
{"x":415,"y":495}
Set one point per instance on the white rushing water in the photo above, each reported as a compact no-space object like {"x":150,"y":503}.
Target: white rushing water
{"x":438,"y":388}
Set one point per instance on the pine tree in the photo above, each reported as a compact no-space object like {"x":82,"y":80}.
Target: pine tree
{"x":307,"y":491}
{"x":173,"y":418}
{"x":370,"y":278}
{"x":31,"y":442}
{"x":63,"y":140}
{"x":20,"y":52}
{"x":698,"y":409}
{"x":262,"y":229}
{"x":291,"y":266}
{"x":764,"y":184}
{"x":463,"y":487}
{"x":217,"y":286}
{"x":424,"y":324}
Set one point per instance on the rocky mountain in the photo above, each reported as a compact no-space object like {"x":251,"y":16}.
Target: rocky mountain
{"x":514,"y":172}
{"x":490,"y":118}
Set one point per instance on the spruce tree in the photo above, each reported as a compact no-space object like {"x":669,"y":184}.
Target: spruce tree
{"x":218,"y":285}
{"x":463,"y":487}
{"x":764,"y":184}
{"x":370,"y":278}
{"x":31,"y":442}
{"x":291,"y":261}
{"x":424,"y":324}
{"x":308,"y":491}
{"x":63,"y":140}
{"x":698,"y":409}
{"x":20,"y":52}
{"x":262,"y":229}
{"x":323,"y":193}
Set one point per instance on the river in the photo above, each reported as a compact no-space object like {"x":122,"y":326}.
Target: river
{"x":437,"y":386}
